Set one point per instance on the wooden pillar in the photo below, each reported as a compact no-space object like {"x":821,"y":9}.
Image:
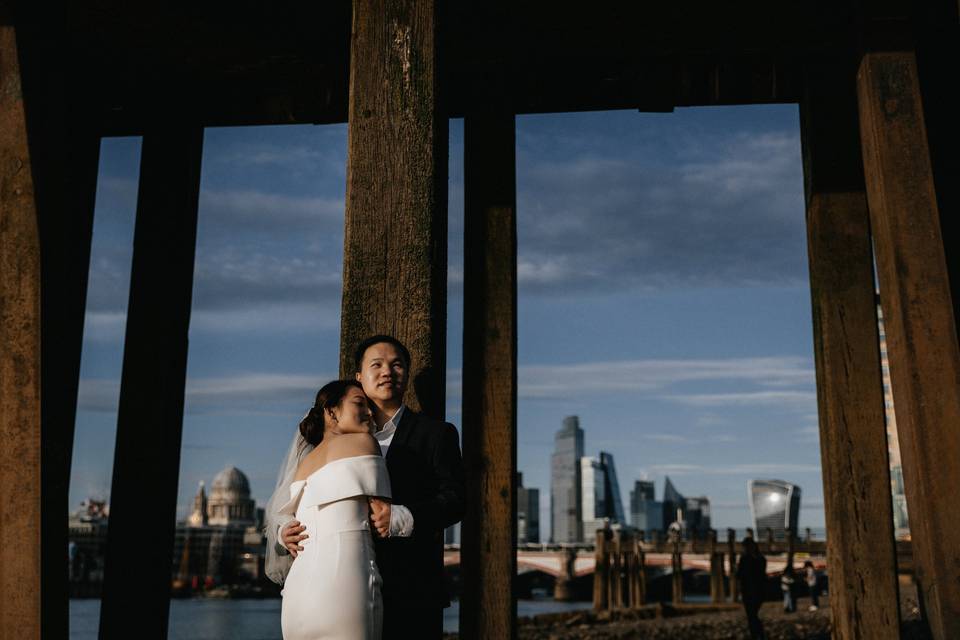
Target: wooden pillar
{"x":20,"y":478}
{"x":395,"y":238}
{"x":938,"y":46}
{"x":853,"y":445}
{"x":143,"y":498}
{"x":734,"y":587}
{"x":716,"y":568}
{"x":488,"y":605}
{"x":676,"y":563}
{"x":600,"y":570}
{"x":918,"y":315}
{"x":641,"y":575}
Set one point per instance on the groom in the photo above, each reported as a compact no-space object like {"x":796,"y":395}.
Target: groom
{"x":426,"y":475}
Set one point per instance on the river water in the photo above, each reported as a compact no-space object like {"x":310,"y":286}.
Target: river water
{"x":209,"y":619}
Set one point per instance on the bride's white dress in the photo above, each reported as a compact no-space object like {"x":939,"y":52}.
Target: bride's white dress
{"x":333,"y":588}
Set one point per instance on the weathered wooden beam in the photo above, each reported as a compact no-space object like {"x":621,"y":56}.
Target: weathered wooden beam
{"x":853,"y":444}
{"x":601,"y":595}
{"x":395,"y":241}
{"x":20,"y":478}
{"x":150,"y":416}
{"x":676,"y":578}
{"x":918,"y":312}
{"x":732,"y":554}
{"x":488,"y":605}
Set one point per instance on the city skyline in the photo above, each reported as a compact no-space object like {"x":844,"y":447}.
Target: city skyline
{"x":663,"y":297}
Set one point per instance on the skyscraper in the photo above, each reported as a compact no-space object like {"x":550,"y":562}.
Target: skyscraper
{"x":600,"y":494}
{"x":565,"y":507}
{"x":646,"y":513}
{"x":528,"y":513}
{"x":774,"y":504}
{"x":901,"y":523}
{"x":692,"y":514}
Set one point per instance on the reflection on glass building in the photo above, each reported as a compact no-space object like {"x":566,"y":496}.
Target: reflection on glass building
{"x":600,"y":494}
{"x":565,"y":518}
{"x":774,"y":504}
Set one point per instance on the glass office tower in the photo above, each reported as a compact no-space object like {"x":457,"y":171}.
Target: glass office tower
{"x":774,"y":504}
{"x":565,"y":507}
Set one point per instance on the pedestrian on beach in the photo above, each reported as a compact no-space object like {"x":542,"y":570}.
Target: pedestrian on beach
{"x":752,"y":576}
{"x":813,"y":586}
{"x":787,"y":580}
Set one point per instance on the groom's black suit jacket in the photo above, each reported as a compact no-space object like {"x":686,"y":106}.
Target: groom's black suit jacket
{"x":426,"y":476}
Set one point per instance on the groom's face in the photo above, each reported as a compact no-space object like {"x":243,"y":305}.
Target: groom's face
{"x":383,"y":373}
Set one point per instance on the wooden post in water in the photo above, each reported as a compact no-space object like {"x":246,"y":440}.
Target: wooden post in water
{"x":395,"y":235}
{"x":600,"y":586}
{"x":488,"y":547}
{"x":616,"y":584}
{"x":20,"y":454}
{"x":716,"y":568}
{"x":732,"y":554}
{"x":146,"y":463}
{"x":641,"y":598}
{"x":676,"y":563}
{"x":918,"y":310}
{"x":853,"y":441}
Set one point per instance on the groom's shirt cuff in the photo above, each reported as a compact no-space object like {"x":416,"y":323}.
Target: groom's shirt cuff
{"x":401,"y":521}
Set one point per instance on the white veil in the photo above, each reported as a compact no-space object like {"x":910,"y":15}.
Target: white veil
{"x":278,"y":560}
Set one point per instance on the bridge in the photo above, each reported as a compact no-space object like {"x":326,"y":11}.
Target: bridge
{"x":553,"y":562}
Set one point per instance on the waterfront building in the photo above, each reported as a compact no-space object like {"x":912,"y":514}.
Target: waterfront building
{"x":230,"y":502}
{"x":528,"y":513}
{"x":86,"y":547}
{"x":901,"y":523}
{"x":774,"y":504}
{"x":565,"y":483}
{"x":600,"y":494}
{"x":451,"y":535}
{"x":646,"y":513}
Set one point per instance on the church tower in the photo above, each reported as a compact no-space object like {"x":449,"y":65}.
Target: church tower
{"x":199,"y":516}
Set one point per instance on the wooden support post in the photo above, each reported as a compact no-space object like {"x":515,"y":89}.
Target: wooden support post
{"x":490,"y":379}
{"x":853,"y":445}
{"x":641,"y":576}
{"x":63,"y":159}
{"x":631,"y":571}
{"x":150,"y":417}
{"x":616,"y":584}
{"x":716,"y":568}
{"x":395,"y":238}
{"x":676,"y":563}
{"x":20,"y":477}
{"x":732,"y":554}
{"x":918,"y":316}
{"x":600,"y":570}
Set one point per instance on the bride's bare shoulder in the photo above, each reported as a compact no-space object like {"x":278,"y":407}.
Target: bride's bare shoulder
{"x":311,"y":462}
{"x":352,"y":444}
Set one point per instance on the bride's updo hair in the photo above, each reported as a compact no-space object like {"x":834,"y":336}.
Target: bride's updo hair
{"x":329,"y":396}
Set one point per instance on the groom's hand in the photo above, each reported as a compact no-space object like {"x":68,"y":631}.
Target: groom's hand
{"x":292,"y":534}
{"x":380,"y":516}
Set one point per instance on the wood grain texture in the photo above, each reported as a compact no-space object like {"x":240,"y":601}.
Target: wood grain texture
{"x":489,"y":534}
{"x":20,"y":483}
{"x":853,"y":444}
{"x":150,"y":417}
{"x":395,"y":238}
{"x":920,"y":326}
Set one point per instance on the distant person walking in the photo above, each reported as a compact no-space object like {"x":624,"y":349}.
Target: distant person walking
{"x":752,"y":576}
{"x":787,"y":580}
{"x":813,"y":585}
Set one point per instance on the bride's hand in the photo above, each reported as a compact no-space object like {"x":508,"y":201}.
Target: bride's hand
{"x":292,"y":534}
{"x":380,"y":516}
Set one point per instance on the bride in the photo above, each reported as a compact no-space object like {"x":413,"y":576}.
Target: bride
{"x":331,"y":585}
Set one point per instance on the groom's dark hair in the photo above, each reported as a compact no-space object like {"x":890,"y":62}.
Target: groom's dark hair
{"x":378,"y":339}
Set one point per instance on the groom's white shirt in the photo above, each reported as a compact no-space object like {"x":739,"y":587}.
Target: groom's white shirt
{"x":401,"y":520}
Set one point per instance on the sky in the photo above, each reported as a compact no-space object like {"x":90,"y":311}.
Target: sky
{"x":663,"y":298}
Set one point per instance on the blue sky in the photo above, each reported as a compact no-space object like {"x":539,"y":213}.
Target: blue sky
{"x":663,"y":299}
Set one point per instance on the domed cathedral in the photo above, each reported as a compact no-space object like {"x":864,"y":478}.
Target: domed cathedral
{"x":229,"y":502}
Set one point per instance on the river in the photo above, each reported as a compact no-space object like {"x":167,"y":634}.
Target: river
{"x":209,"y":619}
